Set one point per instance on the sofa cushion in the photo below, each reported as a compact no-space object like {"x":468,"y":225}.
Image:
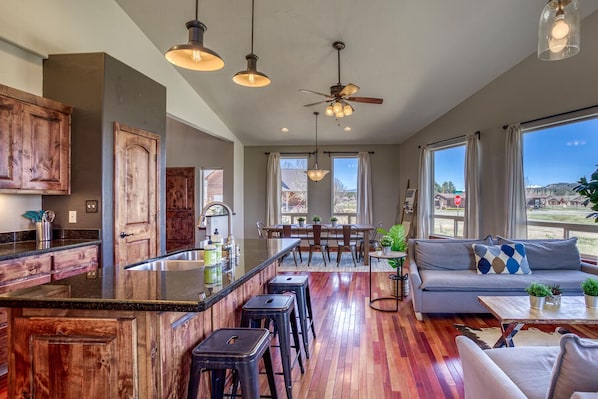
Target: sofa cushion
{"x":446,"y":254}
{"x":497,"y":259}
{"x":576,"y":367}
{"x":549,"y":254}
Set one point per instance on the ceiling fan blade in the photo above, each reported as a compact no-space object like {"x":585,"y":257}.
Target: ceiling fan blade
{"x":369,"y":100}
{"x":315,"y":92}
{"x":349,"y":89}
{"x":319,"y":102}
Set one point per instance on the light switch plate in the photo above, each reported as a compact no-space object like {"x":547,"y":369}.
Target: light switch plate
{"x":91,"y":206}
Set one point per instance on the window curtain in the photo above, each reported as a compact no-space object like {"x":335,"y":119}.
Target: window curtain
{"x":471,"y":227}
{"x":364,"y":189}
{"x":273,"y":189}
{"x":516,"y":206}
{"x":425,"y":200}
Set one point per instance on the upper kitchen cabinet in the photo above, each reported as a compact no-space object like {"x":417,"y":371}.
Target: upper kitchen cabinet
{"x":35,"y":133}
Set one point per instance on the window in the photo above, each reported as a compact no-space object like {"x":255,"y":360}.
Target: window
{"x":449,"y":190}
{"x":212,"y":184}
{"x":344,"y":189}
{"x":293,"y":189}
{"x":555,"y":157}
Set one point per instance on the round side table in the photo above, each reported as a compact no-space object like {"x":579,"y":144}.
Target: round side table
{"x":399,"y":257}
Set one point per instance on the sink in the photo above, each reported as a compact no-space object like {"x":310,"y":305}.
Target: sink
{"x":195,"y":254}
{"x":168,"y":265}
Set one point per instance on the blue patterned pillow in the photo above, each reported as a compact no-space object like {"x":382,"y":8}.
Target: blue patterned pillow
{"x":498,"y":259}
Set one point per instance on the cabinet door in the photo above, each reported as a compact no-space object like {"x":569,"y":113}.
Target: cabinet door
{"x":46,"y":150}
{"x":10,"y":137}
{"x":73,"y":358}
{"x":22,"y":269}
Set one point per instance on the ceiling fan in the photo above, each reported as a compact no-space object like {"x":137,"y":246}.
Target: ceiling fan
{"x":340,"y":95}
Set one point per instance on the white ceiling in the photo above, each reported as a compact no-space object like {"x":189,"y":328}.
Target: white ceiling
{"x":422,"y":57}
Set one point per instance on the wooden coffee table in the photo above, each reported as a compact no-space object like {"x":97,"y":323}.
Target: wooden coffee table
{"x":513,"y":312}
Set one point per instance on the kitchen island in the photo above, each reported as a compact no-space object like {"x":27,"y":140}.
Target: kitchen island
{"x":84,"y":337}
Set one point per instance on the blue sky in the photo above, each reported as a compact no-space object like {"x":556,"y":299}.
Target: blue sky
{"x":560,"y":154}
{"x":346,"y":170}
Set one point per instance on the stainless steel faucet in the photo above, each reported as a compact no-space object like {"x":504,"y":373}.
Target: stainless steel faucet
{"x":202,"y":218}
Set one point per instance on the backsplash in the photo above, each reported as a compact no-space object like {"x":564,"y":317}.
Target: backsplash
{"x":57,"y":234}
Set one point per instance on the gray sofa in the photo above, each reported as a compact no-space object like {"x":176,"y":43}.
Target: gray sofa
{"x":552,"y":372}
{"x":444,"y":278}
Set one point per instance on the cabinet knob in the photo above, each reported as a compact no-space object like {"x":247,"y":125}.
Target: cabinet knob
{"x":123,"y":234}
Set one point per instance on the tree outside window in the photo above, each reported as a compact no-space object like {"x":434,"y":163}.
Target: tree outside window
{"x":344,"y":190}
{"x":293,"y":189}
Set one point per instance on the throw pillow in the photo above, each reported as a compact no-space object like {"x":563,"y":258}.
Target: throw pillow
{"x":497,"y":259}
{"x":549,"y":254}
{"x":575,"y":369}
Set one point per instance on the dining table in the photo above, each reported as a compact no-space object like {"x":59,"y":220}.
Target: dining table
{"x":365,"y":230}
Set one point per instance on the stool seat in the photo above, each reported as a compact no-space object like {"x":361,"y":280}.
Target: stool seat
{"x":299,"y":285}
{"x":280,"y":309}
{"x":237,"y":349}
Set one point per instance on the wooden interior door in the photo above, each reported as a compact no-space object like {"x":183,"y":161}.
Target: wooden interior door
{"x":180,"y":208}
{"x":136,"y":189}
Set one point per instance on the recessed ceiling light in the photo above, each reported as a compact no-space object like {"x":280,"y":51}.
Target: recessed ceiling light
{"x":284,"y":129}
{"x":347,"y":129}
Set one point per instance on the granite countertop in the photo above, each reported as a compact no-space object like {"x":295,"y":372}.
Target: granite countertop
{"x":153,"y":290}
{"x":27,"y":248}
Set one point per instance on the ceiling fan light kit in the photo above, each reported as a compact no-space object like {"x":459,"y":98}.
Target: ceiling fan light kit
{"x":559,"y":30}
{"x":315,"y":173}
{"x":251,"y":77}
{"x":194,"y":55}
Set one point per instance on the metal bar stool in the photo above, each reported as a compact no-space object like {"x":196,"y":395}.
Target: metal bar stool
{"x":238,"y":349}
{"x":280,"y":309}
{"x":299,"y":285}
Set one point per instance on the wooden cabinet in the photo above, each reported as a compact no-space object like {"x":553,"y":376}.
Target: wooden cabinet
{"x":78,"y":357}
{"x":74,"y":261}
{"x":35,"y":133}
{"x":25,"y":272}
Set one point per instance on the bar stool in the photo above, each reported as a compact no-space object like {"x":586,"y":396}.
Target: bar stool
{"x":280,"y":309}
{"x":238,"y":349}
{"x":299,"y":285}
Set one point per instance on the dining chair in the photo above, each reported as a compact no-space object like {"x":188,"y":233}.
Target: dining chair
{"x":260,"y":230}
{"x":287,"y":232}
{"x":373,"y":240}
{"x":346,"y":240}
{"x":319,"y":242}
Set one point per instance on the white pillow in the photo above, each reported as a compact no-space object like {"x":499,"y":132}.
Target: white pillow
{"x":575,"y":369}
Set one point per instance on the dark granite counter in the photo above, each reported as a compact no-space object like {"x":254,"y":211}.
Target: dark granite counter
{"x":27,"y":248}
{"x":153,"y":290}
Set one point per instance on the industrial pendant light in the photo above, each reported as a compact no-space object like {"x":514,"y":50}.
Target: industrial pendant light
{"x":194,"y":55}
{"x":559,"y":31}
{"x":251,"y":77}
{"x":316,"y":174}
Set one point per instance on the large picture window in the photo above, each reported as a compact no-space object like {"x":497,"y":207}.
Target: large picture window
{"x":555,"y":157}
{"x":293,"y":189}
{"x":449,"y":190}
{"x":344,"y":189}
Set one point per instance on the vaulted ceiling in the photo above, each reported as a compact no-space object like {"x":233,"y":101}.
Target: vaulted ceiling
{"x":422,"y":57}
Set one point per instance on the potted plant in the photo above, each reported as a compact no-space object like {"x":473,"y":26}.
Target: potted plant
{"x":590,"y":291}
{"x":589,"y":189}
{"x":537,"y":295}
{"x":301,"y":221}
{"x":334,"y":221}
{"x":316,"y":219}
{"x":555,"y":295}
{"x":386,"y":242}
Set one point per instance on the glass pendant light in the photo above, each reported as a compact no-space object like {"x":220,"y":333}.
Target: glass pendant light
{"x":559,"y":30}
{"x":251,"y":77}
{"x":194,"y":55}
{"x":315,"y":173}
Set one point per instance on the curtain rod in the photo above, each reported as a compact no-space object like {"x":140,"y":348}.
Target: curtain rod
{"x":554,"y":115}
{"x":345,"y":152}
{"x":294,"y":153}
{"x":453,"y":138}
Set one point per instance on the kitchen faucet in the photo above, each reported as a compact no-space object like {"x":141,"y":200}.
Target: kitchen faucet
{"x":201,"y":223}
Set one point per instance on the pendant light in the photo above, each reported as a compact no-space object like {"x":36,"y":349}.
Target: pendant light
{"x":559,"y":30}
{"x":251,"y":77}
{"x":194,"y":55}
{"x":316,"y":174}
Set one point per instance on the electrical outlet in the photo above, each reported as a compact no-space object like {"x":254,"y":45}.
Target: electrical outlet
{"x":72,"y":216}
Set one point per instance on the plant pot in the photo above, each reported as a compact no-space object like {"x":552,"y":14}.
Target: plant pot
{"x":554,"y":300}
{"x":393,"y":287}
{"x":386,"y":250}
{"x":537,"y":302}
{"x":301,"y":223}
{"x":591,"y":301}
{"x":334,"y":223}
{"x":316,"y":222}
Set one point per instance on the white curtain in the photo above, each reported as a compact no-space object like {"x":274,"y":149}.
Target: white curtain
{"x":471,"y":228}
{"x":364,"y":189}
{"x":273,"y":189}
{"x":516,"y":206}
{"x":425,"y":200}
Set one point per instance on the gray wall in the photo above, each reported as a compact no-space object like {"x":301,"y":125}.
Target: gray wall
{"x":385,"y":183}
{"x":532,"y":89}
{"x":189,"y":147}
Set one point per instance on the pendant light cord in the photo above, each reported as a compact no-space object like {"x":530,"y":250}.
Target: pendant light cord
{"x":316,"y":114}
{"x":197,"y":10}
{"x":252,"y":12}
